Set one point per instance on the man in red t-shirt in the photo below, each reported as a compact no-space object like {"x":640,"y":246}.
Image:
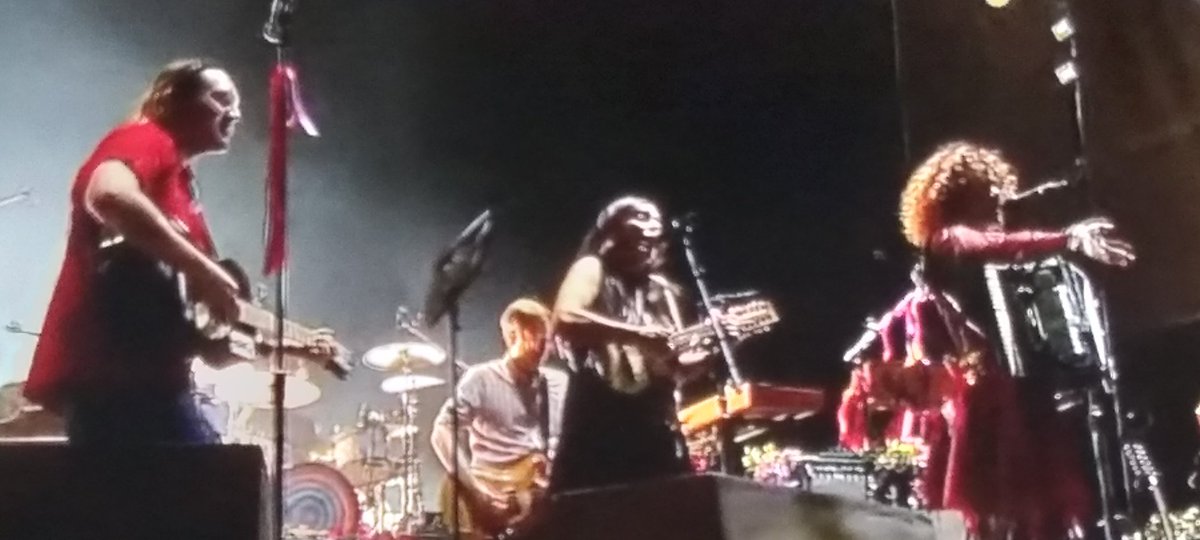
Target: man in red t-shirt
{"x":137,"y":184}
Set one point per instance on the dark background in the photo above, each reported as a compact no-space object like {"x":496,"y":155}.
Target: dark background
{"x":779,"y":122}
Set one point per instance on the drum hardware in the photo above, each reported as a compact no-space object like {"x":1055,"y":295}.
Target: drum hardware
{"x":363,"y":453}
{"x":377,"y":455}
{"x":412,"y":504}
{"x":406,"y":384}
{"x":397,"y":430}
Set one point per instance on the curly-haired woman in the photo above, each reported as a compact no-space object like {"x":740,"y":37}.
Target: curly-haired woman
{"x":998,"y":452}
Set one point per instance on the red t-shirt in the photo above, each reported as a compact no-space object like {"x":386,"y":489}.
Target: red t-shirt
{"x":72,"y":353}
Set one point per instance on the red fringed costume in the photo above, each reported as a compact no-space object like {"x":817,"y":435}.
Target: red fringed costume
{"x":996,"y":449}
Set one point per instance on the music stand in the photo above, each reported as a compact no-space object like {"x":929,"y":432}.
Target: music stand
{"x":453,"y":272}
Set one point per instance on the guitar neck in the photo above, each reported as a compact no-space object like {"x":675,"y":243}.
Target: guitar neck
{"x":698,"y":331}
{"x":264,"y":321}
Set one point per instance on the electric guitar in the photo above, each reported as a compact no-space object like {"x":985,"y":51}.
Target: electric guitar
{"x":519,"y":480}
{"x":148,"y":312}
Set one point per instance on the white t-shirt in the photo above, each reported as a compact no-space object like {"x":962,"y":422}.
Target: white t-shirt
{"x":502,"y":421}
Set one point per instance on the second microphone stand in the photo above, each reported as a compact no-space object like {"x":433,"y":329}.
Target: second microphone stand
{"x":729,"y":463}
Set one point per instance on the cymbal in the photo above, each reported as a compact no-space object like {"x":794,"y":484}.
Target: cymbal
{"x":404,"y":355}
{"x":398,"y":384}
{"x":252,"y":388}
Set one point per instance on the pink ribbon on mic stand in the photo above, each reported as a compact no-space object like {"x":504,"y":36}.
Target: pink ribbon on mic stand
{"x":286,"y":111}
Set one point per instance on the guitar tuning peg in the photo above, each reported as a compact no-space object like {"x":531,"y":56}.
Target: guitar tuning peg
{"x":261,"y":293}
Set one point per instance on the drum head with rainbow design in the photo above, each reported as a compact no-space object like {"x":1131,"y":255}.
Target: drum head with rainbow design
{"x":317,"y":497}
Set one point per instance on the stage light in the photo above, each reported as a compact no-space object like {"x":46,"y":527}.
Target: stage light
{"x":1063,"y":30}
{"x":998,"y":3}
{"x":1066,"y":73}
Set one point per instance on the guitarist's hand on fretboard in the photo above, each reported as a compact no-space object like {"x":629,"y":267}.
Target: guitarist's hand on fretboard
{"x":213,"y":286}
{"x":323,"y":347}
{"x":321,"y":344}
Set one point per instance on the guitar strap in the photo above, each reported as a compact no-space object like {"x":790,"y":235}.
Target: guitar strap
{"x":543,"y":412}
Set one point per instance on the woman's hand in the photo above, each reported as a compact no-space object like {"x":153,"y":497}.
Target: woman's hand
{"x":1094,"y":239}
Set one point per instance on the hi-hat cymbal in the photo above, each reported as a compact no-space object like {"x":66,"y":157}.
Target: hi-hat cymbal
{"x":398,"y":384}
{"x":404,"y":355}
{"x":252,"y":388}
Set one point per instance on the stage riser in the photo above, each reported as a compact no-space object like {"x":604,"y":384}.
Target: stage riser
{"x":712,"y":507}
{"x":59,"y":492}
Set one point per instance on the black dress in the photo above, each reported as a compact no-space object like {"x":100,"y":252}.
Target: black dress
{"x":619,"y":417}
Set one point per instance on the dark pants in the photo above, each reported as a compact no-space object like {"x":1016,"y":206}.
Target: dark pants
{"x":609,"y":437}
{"x":137,"y":419}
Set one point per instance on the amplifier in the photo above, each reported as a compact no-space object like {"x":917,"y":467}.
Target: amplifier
{"x":719,"y":507}
{"x":182,"y":493}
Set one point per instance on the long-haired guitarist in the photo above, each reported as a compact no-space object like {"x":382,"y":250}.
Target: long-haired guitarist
{"x":615,"y":313}
{"x":137,"y":187}
{"x":510,"y":410}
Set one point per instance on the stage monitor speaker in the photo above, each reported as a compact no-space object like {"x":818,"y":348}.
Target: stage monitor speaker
{"x":182,"y":493}
{"x":718,"y":507}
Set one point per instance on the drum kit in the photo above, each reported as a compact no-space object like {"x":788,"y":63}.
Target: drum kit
{"x":364,"y":480}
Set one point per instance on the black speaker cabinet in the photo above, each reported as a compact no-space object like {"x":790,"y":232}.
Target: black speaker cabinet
{"x":55,"y":491}
{"x":717,"y":507}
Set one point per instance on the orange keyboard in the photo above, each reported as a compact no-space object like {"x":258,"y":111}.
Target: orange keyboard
{"x":753,"y":401}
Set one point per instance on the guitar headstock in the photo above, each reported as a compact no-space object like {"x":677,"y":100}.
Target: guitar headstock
{"x":750,"y":318}
{"x":740,"y":318}
{"x":340,"y":364}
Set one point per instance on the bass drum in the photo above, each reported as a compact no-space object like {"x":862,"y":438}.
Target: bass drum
{"x":318,"y":500}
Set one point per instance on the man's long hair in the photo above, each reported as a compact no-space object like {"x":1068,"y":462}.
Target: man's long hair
{"x":180,"y":81}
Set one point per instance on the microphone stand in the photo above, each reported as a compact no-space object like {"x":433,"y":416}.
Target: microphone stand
{"x":453,"y":272}
{"x":1070,"y":74}
{"x":729,"y":464}
{"x":276,"y":31}
{"x":14,"y":327}
{"x":15,"y":197}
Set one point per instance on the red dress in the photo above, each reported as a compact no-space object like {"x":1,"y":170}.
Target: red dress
{"x":995,"y":446}
{"x":72,"y":354}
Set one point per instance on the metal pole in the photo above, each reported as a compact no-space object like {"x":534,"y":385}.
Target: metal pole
{"x":278,"y":389}
{"x":452,"y":354}
{"x":278,"y":376}
{"x":724,"y":440}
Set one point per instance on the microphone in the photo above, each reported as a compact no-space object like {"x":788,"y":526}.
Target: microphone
{"x":870,"y":332}
{"x":687,"y":221}
{"x":275,"y":29}
{"x":1039,"y":190}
